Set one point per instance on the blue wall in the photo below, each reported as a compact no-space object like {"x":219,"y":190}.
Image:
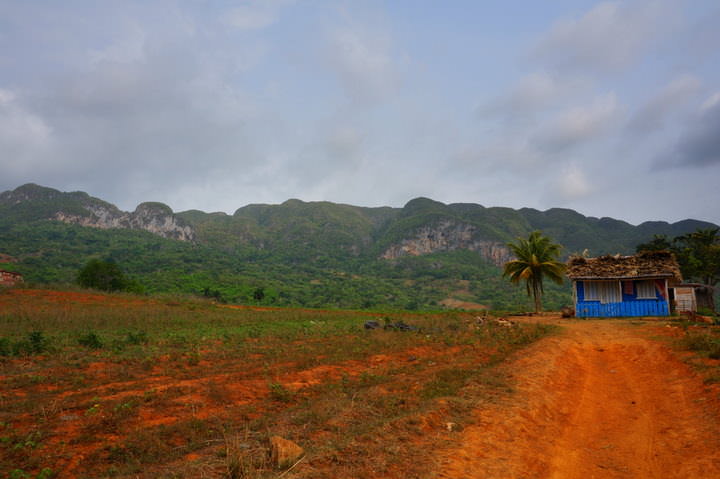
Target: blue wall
{"x":630,"y":305}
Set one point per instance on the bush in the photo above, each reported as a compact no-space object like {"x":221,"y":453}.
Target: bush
{"x":103,"y":275}
{"x":5,"y":347}
{"x":280,"y":393}
{"x":34,"y":343}
{"x":136,"y":338}
{"x":91,"y":340}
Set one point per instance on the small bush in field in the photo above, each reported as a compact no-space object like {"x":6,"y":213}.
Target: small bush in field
{"x":136,"y":338}
{"x":91,"y":340}
{"x":38,"y":342}
{"x":278,"y":392}
{"x":5,"y":347}
{"x":34,"y":343}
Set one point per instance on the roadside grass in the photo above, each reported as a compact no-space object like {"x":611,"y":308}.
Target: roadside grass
{"x":182,"y":388}
{"x":701,"y":342}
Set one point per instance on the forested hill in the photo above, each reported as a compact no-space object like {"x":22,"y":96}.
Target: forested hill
{"x":310,"y":253}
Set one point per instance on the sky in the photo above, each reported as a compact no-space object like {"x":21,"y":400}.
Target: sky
{"x":608,"y":108}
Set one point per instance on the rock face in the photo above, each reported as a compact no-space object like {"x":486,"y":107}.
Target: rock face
{"x":156,"y":218}
{"x":39,"y":202}
{"x":449,"y":235}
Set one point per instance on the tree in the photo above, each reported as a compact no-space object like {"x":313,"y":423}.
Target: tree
{"x":658,"y":243}
{"x":697,"y":253}
{"x":102,"y":275}
{"x":537,"y":257}
{"x":259,"y":294}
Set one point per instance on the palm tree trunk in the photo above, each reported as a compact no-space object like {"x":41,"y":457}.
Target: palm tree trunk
{"x":537,"y":296}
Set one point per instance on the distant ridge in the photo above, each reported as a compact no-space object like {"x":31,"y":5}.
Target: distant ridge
{"x":303,"y":253}
{"x":422,"y":226}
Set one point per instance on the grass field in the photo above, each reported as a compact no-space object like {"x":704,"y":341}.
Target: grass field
{"x":95,"y":385}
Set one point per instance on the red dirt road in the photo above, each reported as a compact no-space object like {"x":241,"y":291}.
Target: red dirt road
{"x":600,"y":400}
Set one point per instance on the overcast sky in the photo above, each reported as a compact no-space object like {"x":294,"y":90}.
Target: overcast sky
{"x":609,"y":108}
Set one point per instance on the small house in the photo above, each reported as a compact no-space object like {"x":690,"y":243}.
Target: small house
{"x":616,"y":286}
{"x":9,"y":278}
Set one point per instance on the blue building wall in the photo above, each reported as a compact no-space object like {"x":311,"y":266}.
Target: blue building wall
{"x":630,"y":305}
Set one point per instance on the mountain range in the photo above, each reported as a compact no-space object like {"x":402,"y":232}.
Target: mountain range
{"x":424,"y":254}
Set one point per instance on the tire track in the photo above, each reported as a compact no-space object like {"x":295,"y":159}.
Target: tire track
{"x":597,"y":401}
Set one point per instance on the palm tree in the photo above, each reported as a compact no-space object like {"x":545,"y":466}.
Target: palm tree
{"x":537,"y":257}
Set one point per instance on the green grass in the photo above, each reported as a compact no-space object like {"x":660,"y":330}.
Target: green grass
{"x":704,"y":342}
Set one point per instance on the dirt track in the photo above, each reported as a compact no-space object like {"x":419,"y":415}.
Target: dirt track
{"x":600,"y":400}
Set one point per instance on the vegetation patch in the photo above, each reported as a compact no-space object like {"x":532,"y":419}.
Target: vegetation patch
{"x":170,"y":387}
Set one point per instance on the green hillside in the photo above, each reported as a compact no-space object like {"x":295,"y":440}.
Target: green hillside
{"x":314,"y":254}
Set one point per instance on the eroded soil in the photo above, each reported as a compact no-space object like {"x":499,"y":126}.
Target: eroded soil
{"x":603,"y":399}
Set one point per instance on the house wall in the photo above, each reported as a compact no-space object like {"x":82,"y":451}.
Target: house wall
{"x":8,"y":278}
{"x":685,"y":299}
{"x":630,"y":305}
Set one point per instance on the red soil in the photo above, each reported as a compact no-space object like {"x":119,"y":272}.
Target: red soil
{"x":600,"y":400}
{"x":70,"y":425}
{"x":66,"y":297}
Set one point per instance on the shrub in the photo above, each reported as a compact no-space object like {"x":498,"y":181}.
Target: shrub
{"x":136,"y":338}
{"x":38,"y":342}
{"x":34,"y":343}
{"x":105,"y":276}
{"x":5,"y":347}
{"x":278,"y":392}
{"x":91,"y":340}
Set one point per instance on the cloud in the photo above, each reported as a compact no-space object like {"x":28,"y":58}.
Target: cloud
{"x":533,"y":93}
{"x":344,"y":142}
{"x":609,"y":37}
{"x":337,"y":154}
{"x":23,"y":134}
{"x":133,"y":125}
{"x":254,"y":14}
{"x":363,"y":60}
{"x":572,"y":184}
{"x":699,"y":143}
{"x":128,"y":48}
{"x":653,"y":115}
{"x":578,"y":125}
{"x":712,"y":102}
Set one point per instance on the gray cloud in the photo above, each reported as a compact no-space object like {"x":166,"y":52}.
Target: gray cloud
{"x":215,"y":105}
{"x":570,"y":183}
{"x":699,"y":144}
{"x":653,"y":115}
{"x":608,"y":37}
{"x":364,"y":62}
{"x":254,"y":14}
{"x":534,"y":93}
{"x":23,"y":134}
{"x":337,"y":154}
{"x":578,"y":125}
{"x":133,"y":122}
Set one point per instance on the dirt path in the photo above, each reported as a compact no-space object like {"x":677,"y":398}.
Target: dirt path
{"x":599,"y":400}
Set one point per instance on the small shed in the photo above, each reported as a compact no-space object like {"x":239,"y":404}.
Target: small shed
{"x":689,"y":297}
{"x":617,"y":286}
{"x":10,"y":278}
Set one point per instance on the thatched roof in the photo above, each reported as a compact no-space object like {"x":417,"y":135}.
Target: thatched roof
{"x":647,"y":265}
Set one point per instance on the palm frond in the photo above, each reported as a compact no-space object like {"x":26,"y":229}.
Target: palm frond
{"x":537,"y":257}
